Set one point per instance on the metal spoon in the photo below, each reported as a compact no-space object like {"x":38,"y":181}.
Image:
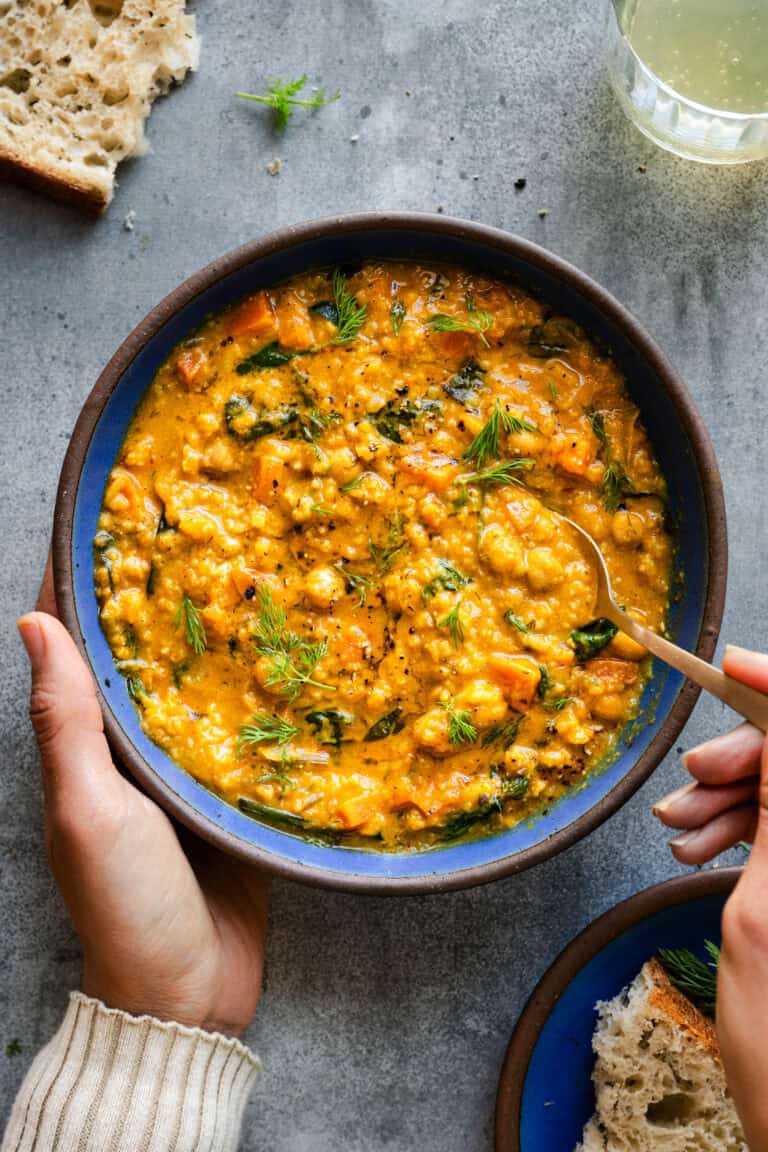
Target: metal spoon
{"x":746,"y":701}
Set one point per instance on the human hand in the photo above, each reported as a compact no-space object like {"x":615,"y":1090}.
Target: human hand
{"x":720,"y":807}
{"x":172,"y":935}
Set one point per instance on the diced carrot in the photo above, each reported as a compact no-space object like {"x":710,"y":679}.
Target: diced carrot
{"x":294,"y":324}
{"x":191,"y":368}
{"x":519,"y":677}
{"x":243,"y":579}
{"x":458,"y":344}
{"x":432,"y":469}
{"x":268,"y":472}
{"x":253,"y":317}
{"x":356,"y":811}
{"x":612,"y":674}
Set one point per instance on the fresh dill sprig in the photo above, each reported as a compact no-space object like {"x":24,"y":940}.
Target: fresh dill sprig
{"x":292,"y":660}
{"x":614,"y":486}
{"x":355,"y":583}
{"x":454,"y":625}
{"x":397,"y":314}
{"x":516,"y":621}
{"x":559,"y":704}
{"x":508,"y":472}
{"x":351,"y":315}
{"x":293,"y":671}
{"x":265,"y":726}
{"x":448,"y":578}
{"x":313,"y":423}
{"x":485,"y":445}
{"x":281,"y":98}
{"x":194,"y":628}
{"x":478,"y":321}
{"x":384,"y":554}
{"x":693,"y":976}
{"x":545,"y":682}
{"x":320,"y":510}
{"x":353,"y":483}
{"x":597,"y":423}
{"x":461,"y":730}
{"x":504,"y":734}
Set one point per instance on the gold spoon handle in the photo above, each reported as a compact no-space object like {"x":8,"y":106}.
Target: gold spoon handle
{"x":748,"y":702}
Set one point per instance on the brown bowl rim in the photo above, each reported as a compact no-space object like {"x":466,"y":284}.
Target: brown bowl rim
{"x":593,"y":938}
{"x":712,"y":491}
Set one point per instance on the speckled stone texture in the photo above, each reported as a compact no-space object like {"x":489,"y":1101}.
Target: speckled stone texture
{"x":384,"y":1022}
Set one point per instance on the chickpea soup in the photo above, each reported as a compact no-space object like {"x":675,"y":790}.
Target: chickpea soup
{"x":328,"y":566}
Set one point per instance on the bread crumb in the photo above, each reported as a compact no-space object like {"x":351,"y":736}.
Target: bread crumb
{"x":543,"y":212}
{"x":130,"y":219}
{"x":275,"y":166}
{"x":354,"y":139}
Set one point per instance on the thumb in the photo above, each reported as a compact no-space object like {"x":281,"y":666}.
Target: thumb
{"x":64,"y":710}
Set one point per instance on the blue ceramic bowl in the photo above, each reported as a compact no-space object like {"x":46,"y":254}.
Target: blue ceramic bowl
{"x":545,"y":1092}
{"x":680,"y":441}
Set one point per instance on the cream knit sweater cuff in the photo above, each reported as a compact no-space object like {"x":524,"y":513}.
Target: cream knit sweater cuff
{"x":110,"y":1081}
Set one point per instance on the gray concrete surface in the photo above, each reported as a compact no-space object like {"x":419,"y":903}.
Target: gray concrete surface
{"x":384,"y":1022}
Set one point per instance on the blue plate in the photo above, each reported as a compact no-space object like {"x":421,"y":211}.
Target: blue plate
{"x":680,"y":441}
{"x":545,"y":1092}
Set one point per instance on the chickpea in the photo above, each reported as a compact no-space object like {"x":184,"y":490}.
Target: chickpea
{"x":626,"y":648}
{"x":519,"y":760}
{"x":324,"y":585}
{"x":609,"y":706}
{"x":544,"y":569}
{"x":627,"y":528}
{"x":484,"y":700}
{"x":430,"y":731}
{"x":503,"y":551}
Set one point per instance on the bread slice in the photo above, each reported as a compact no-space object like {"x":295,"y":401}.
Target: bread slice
{"x":77,"y":81}
{"x":659,"y":1080}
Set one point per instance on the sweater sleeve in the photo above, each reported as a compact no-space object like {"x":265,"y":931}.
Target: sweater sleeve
{"x":108,"y":1080}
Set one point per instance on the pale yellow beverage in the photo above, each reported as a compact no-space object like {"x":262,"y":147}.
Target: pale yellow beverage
{"x":712,"y":51}
{"x":693,"y":74}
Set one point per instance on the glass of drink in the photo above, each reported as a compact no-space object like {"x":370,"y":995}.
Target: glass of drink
{"x":693,"y":74}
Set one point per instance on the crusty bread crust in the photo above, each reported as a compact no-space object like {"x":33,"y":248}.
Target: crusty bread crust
{"x":77,"y":82}
{"x":670,"y":1002}
{"x":659,"y":1080}
{"x":68,"y":190}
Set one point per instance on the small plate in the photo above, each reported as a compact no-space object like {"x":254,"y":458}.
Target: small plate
{"x":545,"y":1094}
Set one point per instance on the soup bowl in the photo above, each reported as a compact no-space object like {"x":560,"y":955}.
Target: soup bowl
{"x":535,"y":1110}
{"x":679,"y":439}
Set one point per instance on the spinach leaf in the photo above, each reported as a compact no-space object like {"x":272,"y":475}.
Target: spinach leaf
{"x":466,"y":383}
{"x":386,"y":725}
{"x":290,"y":821}
{"x":553,"y":337}
{"x":270,"y":356}
{"x":245,"y":423}
{"x":592,"y":638}
{"x":328,"y":310}
{"x":515,"y":787}
{"x":463,"y":821}
{"x":388,"y":419}
{"x":328,"y":725}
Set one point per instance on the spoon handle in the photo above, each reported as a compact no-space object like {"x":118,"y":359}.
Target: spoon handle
{"x":746,"y":701}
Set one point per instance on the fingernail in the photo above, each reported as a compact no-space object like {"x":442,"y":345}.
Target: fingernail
{"x":684,"y":840}
{"x":673,"y":797}
{"x":32,"y":638}
{"x":729,"y":648}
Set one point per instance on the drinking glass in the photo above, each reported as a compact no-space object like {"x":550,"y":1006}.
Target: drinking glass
{"x":693,"y":74}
